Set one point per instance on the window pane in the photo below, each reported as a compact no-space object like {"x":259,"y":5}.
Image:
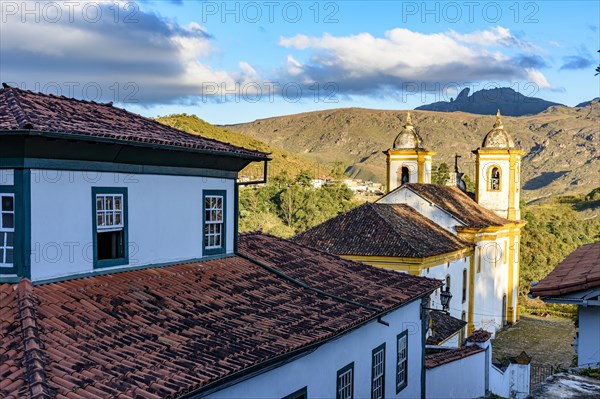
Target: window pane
{"x":118,"y":218}
{"x":8,"y":203}
{"x":118,"y":201}
{"x":9,"y":256}
{"x":109,"y":202}
{"x":8,"y":221}
{"x":99,"y":203}
{"x":219,"y":216}
{"x":219,"y":203}
{"x":109,"y":219}
{"x":9,"y":239}
{"x":207,"y":203}
{"x":207,"y":216}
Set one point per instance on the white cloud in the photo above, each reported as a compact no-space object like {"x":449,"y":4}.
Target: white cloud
{"x":538,"y":79}
{"x":166,"y":61}
{"x":363,"y":63}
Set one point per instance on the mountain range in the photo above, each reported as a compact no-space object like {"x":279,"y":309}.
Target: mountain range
{"x":487,"y":102}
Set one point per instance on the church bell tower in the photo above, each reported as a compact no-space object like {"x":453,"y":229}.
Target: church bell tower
{"x":407,"y":161}
{"x":498,"y":165}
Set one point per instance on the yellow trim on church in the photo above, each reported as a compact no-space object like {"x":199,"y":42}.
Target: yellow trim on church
{"x":411,"y":265}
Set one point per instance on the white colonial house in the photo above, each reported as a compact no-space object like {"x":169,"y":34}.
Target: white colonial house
{"x":122,"y":274}
{"x":576,"y":281}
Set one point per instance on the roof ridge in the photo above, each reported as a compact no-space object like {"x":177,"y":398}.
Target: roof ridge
{"x":15,"y":108}
{"x":33,"y":356}
{"x":393,"y":226}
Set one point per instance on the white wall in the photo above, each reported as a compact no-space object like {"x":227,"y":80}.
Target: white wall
{"x":490,"y":283}
{"x":513,"y":382}
{"x":396,"y":171}
{"x":455,"y":270}
{"x":464,"y":378}
{"x":165,"y":218}
{"x":496,"y":201}
{"x":426,"y":208}
{"x":318,"y":370}
{"x":588,"y":349}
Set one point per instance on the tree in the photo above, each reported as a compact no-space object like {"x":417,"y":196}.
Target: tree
{"x":305,"y":178}
{"x":441,"y":174}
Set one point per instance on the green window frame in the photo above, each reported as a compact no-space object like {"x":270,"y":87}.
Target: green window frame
{"x":301,"y":393}
{"x":115,"y":220}
{"x":378,"y":372}
{"x":401,"y":361}
{"x":10,"y":243}
{"x":214,"y":222}
{"x":344,"y":387}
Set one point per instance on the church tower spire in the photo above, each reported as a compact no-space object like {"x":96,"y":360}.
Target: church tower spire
{"x":498,"y":172}
{"x":407,"y":161}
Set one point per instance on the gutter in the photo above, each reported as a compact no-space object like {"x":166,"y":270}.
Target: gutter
{"x":94,"y":139}
{"x":262,"y":181}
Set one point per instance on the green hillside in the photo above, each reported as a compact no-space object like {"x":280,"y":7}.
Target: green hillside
{"x":282,"y":159}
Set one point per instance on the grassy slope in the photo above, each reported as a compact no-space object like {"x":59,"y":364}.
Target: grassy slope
{"x":282,"y":159}
{"x":561,"y":143}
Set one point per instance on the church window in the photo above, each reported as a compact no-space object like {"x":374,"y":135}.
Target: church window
{"x":464,"y":287}
{"x":494,"y":179}
{"x":405,"y":175}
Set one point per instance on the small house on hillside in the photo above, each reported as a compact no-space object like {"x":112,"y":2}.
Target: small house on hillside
{"x":576,"y":281}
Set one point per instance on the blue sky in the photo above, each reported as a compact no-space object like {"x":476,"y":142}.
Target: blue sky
{"x":231,"y":62}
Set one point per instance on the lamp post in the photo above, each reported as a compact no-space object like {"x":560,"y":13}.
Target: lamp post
{"x":445,"y":297}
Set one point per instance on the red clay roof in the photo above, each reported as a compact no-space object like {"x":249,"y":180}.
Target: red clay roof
{"x":443,"y":326}
{"x":12,"y":369}
{"x":377,"y":287}
{"x":26,"y":110}
{"x":456,"y":202}
{"x":162,"y":332}
{"x":479,"y":336}
{"x":382,"y":230}
{"x":438,"y":357}
{"x":578,"y":272}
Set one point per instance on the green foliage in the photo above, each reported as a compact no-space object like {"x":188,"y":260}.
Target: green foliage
{"x":469,"y":183}
{"x":288,"y":206}
{"x":593,"y":373}
{"x":441,"y":174}
{"x":553,"y":231}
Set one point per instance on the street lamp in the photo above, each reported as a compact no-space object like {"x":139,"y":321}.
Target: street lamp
{"x":445,"y":297}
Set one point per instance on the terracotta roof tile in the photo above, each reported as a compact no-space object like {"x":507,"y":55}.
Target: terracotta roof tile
{"x":479,"y":336}
{"x":382,"y":230}
{"x":26,"y":110}
{"x":577,"y":272}
{"x":443,"y":326}
{"x":376,"y":287}
{"x":458,"y":203}
{"x":159,"y":333}
{"x":438,"y":357}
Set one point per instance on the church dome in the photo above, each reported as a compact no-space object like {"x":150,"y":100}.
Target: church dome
{"x":407,"y":138}
{"x":497,"y":137}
